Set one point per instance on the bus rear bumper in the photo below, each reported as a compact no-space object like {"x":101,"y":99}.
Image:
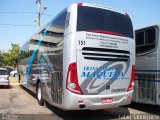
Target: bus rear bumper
{"x":94,"y":102}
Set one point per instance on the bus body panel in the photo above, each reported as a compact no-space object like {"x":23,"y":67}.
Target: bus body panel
{"x":71,"y":21}
{"x":158,"y":58}
{"x":147,"y":66}
{"x":69,"y":56}
{"x":96,"y":75}
{"x":43,"y":59}
{"x":144,"y":64}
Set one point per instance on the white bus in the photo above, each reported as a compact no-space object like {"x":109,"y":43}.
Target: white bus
{"x":147,"y":88}
{"x":82,"y":59}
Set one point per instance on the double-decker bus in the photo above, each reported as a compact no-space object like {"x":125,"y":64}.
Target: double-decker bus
{"x":82,"y":59}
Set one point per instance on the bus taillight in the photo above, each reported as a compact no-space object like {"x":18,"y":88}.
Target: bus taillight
{"x":131,"y":84}
{"x":72,"y":79}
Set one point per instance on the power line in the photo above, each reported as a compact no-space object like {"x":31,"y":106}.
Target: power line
{"x":8,"y":12}
{"x":18,"y":25}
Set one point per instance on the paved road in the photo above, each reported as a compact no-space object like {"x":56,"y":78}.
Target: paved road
{"x":17,"y":103}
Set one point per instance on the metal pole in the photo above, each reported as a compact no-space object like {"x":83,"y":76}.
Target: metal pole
{"x":39,"y":13}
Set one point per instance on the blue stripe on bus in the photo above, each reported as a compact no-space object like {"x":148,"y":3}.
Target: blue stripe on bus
{"x":148,"y":80}
{"x":34,"y":52}
{"x":32,"y":57}
{"x":147,"y":70}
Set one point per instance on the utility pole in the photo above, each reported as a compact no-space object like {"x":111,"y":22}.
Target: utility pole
{"x":38,"y":20}
{"x":39,"y":13}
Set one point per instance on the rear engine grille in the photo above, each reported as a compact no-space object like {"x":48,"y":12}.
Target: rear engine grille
{"x":102,"y":54}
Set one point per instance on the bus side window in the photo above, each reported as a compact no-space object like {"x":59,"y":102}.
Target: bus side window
{"x":60,"y":21}
{"x":139,"y":38}
{"x":150,"y":36}
{"x":145,"y":40}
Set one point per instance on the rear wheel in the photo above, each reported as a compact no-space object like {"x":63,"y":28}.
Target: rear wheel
{"x":39,"y":94}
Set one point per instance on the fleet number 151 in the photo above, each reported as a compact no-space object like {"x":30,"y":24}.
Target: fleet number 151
{"x":81,"y":42}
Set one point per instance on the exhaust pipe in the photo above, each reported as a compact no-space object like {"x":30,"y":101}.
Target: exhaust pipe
{"x":82,"y":106}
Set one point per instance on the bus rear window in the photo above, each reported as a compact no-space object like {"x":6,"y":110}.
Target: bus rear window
{"x":90,"y":18}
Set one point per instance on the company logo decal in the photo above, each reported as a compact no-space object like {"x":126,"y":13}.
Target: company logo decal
{"x":97,"y":78}
{"x":102,"y":73}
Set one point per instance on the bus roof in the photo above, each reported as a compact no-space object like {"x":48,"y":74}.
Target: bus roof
{"x":98,"y":6}
{"x":149,"y":25}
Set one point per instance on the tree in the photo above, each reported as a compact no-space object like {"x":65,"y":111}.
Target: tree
{"x":1,"y":60}
{"x":10,"y":57}
{"x":14,"y":54}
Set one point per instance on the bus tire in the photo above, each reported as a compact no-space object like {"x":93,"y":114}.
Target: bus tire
{"x":39,"y":94}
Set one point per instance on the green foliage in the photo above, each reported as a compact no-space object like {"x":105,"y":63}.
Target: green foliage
{"x":1,"y":60}
{"x":9,"y":58}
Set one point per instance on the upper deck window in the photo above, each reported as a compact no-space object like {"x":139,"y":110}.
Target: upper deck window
{"x":90,"y":18}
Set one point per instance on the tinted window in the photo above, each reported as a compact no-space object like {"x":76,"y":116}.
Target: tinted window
{"x":90,"y":18}
{"x":3,"y":72}
{"x":60,"y":21}
{"x":145,"y":40}
{"x":150,"y":36}
{"x":140,"y":38}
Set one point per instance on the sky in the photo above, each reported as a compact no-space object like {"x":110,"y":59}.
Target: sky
{"x":17,"y":16}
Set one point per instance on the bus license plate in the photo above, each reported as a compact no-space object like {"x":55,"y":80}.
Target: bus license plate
{"x":106,"y":100}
